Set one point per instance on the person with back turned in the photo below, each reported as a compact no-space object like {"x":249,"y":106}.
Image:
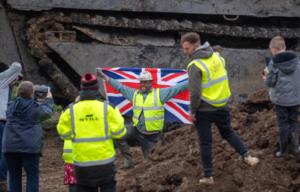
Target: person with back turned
{"x":92,"y":123}
{"x":209,"y":93}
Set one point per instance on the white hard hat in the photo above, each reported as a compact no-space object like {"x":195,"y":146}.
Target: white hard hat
{"x":145,"y":76}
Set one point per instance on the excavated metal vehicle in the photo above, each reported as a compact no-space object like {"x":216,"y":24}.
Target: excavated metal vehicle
{"x":58,"y":41}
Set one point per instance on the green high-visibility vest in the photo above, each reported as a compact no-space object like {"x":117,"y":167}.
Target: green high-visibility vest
{"x":215,"y":87}
{"x":154,"y":111}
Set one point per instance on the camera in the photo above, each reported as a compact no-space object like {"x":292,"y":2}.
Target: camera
{"x":40,"y":92}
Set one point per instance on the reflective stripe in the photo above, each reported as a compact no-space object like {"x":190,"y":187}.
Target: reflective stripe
{"x":137,"y":108}
{"x":72,"y":119}
{"x":153,"y":108}
{"x":154,"y":118}
{"x":66,"y":136}
{"x":68,"y":151}
{"x":155,"y":97}
{"x":135,"y":95}
{"x":94,"y":163}
{"x":118,"y":132}
{"x":136,"y":117}
{"x":215,"y":102}
{"x":95,"y":139}
{"x":221,"y":60}
{"x":105,"y":118}
{"x":209,"y":81}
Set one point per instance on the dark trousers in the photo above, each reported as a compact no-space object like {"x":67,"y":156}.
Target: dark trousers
{"x":30,"y":162}
{"x":147,"y":142}
{"x":203,"y":123}
{"x":106,"y":187}
{"x":287,"y":120}
{"x":3,"y":165}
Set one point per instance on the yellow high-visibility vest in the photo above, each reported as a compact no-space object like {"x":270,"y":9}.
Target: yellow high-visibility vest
{"x":154,"y":111}
{"x":91,"y":124}
{"x":215,"y":87}
{"x":68,"y":152}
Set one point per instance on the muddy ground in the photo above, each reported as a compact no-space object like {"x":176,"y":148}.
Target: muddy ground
{"x":174,"y":164}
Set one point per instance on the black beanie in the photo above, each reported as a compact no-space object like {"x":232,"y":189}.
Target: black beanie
{"x":3,"y":67}
{"x":89,"y":81}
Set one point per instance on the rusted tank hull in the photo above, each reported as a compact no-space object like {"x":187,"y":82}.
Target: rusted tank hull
{"x":287,"y":8}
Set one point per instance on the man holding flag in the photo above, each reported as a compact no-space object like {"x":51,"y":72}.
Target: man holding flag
{"x":148,"y":112}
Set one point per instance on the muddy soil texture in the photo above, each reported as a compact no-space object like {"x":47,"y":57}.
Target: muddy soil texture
{"x":174,"y":164}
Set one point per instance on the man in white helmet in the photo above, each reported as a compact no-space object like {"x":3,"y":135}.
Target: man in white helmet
{"x":148,"y":112}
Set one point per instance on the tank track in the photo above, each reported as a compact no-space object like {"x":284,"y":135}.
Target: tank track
{"x":170,"y":25}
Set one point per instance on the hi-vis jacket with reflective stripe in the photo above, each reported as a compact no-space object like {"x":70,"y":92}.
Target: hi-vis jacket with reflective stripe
{"x":154,"y":111}
{"x":68,"y":152}
{"x":215,"y":87}
{"x":91,"y":124}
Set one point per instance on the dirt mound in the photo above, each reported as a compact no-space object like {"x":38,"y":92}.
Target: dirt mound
{"x":174,"y":163}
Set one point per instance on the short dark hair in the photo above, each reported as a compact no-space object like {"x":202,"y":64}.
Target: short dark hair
{"x":25,"y":89}
{"x":192,"y":38}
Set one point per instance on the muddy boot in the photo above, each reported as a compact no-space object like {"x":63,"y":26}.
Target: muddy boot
{"x":3,"y":186}
{"x":283,"y":148}
{"x":252,"y":161}
{"x":207,"y":180}
{"x":124,"y":149}
{"x":295,"y":144}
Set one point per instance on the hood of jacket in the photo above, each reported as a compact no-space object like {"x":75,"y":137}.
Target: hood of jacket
{"x":204,"y":51}
{"x":21,"y":105}
{"x":286,"y":62}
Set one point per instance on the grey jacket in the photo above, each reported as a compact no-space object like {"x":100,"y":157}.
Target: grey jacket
{"x":284,"y":79}
{"x":6,"y":78}
{"x":195,"y":81}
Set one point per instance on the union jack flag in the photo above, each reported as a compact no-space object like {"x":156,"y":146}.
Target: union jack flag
{"x":176,"y":109}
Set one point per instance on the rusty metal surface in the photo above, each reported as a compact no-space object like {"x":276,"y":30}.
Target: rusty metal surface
{"x":69,"y":36}
{"x":257,"y":8}
{"x":119,"y":38}
{"x":244,"y":66}
{"x":164,"y":25}
{"x":8,"y":47}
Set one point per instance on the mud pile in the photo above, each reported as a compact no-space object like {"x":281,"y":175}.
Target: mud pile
{"x":174,"y":163}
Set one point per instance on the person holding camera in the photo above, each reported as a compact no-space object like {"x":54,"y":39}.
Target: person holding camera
{"x":283,"y":78}
{"x":8,"y":78}
{"x":23,"y":136}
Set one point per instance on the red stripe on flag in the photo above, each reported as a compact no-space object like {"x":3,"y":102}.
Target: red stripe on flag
{"x":178,"y":110}
{"x":172,"y":76}
{"x":128,"y":106}
{"x":154,"y":75}
{"x":127,"y":75}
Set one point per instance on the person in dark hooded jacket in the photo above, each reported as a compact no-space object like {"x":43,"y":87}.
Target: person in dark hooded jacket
{"x":283,"y":79}
{"x":23,"y":137}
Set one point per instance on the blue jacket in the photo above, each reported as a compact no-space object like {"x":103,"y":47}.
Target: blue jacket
{"x":284,"y":79}
{"x":23,"y":130}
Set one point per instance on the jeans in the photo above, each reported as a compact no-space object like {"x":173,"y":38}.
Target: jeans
{"x":106,"y":187}
{"x":30,"y":162}
{"x":147,"y":142}
{"x":203,"y":123}
{"x":3,"y":165}
{"x":287,"y":120}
